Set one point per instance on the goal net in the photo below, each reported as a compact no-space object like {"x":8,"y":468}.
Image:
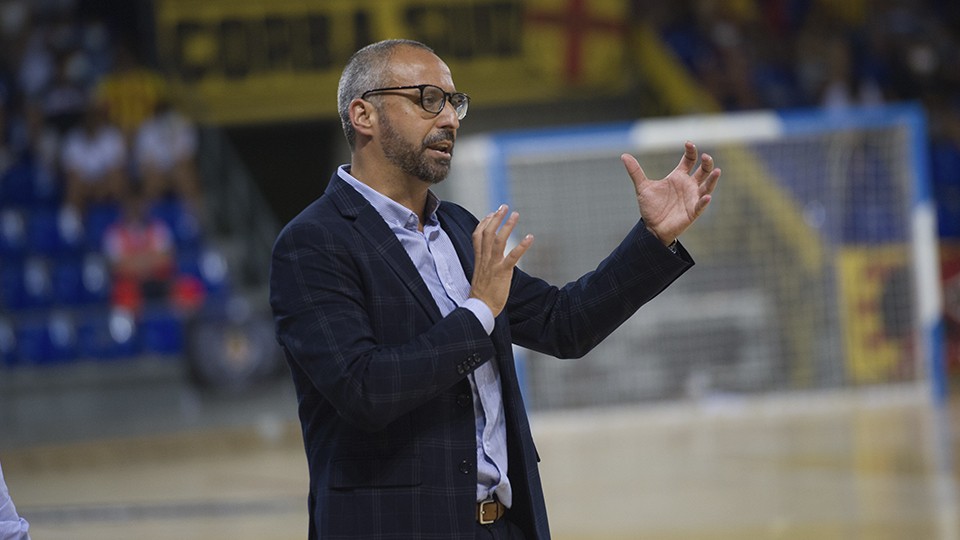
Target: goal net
{"x":815,"y":262}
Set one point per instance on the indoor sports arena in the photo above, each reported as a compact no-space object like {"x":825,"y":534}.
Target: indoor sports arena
{"x":801,"y":380}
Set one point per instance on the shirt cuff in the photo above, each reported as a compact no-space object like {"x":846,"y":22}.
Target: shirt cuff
{"x":481,"y":311}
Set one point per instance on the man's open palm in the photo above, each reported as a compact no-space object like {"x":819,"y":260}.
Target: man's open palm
{"x":668,"y":206}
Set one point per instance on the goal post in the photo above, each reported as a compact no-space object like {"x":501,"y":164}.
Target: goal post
{"x":816,"y":261}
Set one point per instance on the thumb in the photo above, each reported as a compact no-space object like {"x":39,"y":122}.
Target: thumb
{"x":633,"y":169}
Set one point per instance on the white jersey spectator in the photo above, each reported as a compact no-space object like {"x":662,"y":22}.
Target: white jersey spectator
{"x":165,"y":140}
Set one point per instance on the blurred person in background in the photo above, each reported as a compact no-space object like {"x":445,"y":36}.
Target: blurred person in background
{"x":130,"y":92}
{"x":165,"y":154}
{"x":142,"y":254}
{"x":396,"y":313}
{"x":12,"y":526}
{"x":94,"y":161}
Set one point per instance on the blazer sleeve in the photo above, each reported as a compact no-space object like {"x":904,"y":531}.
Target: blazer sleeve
{"x":568,"y":322}
{"x":357,"y":334}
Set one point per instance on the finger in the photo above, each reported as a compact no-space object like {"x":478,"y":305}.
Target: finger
{"x":689,"y":159}
{"x":513,"y":257}
{"x":706,"y":167}
{"x":633,"y":169}
{"x":490,"y":228}
{"x":710,"y":183}
{"x":702,"y":205}
{"x":485,"y":230}
{"x":508,"y":226}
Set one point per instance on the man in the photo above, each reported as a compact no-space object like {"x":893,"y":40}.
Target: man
{"x":396,"y":313}
{"x":12,"y":526}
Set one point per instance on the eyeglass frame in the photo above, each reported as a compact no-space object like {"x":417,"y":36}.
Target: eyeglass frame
{"x":447,"y":96}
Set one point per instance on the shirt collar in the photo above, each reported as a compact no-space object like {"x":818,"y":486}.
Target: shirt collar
{"x":394,"y":213}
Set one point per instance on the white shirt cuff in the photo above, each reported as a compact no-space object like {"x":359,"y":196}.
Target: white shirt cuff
{"x":481,"y":311}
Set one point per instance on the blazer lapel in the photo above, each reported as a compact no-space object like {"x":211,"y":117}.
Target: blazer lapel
{"x":370,"y":224}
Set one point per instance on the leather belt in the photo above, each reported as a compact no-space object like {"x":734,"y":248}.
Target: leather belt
{"x":489,"y":511}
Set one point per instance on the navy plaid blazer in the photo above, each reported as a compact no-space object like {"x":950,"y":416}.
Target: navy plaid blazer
{"x":381,"y":378}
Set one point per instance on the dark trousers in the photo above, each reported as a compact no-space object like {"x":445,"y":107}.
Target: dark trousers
{"x":502,"y":529}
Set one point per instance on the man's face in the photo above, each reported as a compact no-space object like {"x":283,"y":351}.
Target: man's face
{"x":418,"y":143}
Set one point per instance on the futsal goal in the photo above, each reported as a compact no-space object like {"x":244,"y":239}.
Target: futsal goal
{"x":815,"y":262}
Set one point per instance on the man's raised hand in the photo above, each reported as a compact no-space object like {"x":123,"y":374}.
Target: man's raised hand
{"x":493,"y":271}
{"x":670,"y":205}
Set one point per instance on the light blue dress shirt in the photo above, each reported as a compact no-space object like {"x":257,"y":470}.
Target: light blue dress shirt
{"x":436,"y":260}
{"x":12,"y":526}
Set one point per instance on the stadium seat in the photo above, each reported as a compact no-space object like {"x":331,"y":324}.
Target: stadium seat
{"x":108,"y":334}
{"x":67,"y":281}
{"x":182,"y":222}
{"x":95,"y":279}
{"x":13,"y":234}
{"x":11,"y":285}
{"x":45,"y":338}
{"x":43,"y":235}
{"x":17,"y":185}
{"x":37,"y":284}
{"x":161,"y":331}
{"x":31,"y":335}
{"x":98,"y":218}
{"x":61,"y":340}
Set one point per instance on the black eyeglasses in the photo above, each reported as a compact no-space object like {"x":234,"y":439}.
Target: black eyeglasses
{"x":432,"y":98}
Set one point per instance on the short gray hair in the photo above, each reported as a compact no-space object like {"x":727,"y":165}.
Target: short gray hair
{"x":366,"y":70}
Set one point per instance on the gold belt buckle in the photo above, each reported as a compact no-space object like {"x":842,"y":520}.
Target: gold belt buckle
{"x":483,"y":510}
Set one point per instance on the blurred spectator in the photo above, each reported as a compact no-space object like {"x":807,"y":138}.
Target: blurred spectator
{"x":165,"y":154}
{"x":844,"y":87}
{"x":141,"y":252}
{"x":94,"y":161}
{"x":130,"y":91}
{"x":65,"y":100}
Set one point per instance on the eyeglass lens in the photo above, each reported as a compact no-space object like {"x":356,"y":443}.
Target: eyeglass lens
{"x":433,"y":98}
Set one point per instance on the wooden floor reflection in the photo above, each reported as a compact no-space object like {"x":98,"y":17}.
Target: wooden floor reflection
{"x":878,"y":466}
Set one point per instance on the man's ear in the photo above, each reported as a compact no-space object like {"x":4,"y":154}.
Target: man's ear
{"x":363,"y":116}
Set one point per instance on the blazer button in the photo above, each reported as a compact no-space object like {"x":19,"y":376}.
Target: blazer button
{"x":466,"y":467}
{"x":464,"y":400}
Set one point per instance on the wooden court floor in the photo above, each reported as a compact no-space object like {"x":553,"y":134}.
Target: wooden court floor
{"x":876,"y":466}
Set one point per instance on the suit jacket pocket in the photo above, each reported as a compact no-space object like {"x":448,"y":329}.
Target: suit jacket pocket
{"x":361,"y":472}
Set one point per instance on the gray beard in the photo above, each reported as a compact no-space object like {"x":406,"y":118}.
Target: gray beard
{"x":411,"y":159}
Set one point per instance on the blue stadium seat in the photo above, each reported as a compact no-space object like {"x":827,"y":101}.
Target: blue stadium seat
{"x":61,"y":340}
{"x":11,"y":285}
{"x":13,"y":233}
{"x":26,"y":185}
{"x":161,"y":331}
{"x":67,"y":281}
{"x":32,"y":338}
{"x":184,"y":225}
{"x":98,"y":218}
{"x":108,"y":334}
{"x":43,"y":235}
{"x":46,"y":338}
{"x":17,"y":185}
{"x":37,"y":284}
{"x":95,"y":279}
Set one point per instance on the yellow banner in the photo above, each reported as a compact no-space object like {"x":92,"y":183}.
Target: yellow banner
{"x":247,"y":61}
{"x":874,"y":291}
